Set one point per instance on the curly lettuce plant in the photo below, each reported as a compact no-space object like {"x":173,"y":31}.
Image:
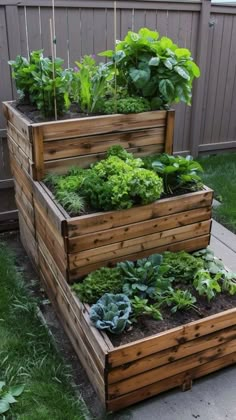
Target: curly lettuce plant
{"x":111,"y":313}
{"x":153,"y":68}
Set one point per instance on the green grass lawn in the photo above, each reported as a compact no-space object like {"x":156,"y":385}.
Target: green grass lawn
{"x":28,"y":355}
{"x":220,"y":174}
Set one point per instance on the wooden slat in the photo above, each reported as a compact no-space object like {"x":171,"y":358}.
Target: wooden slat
{"x":102,"y":124}
{"x":170,"y":121}
{"x":61,"y":166}
{"x":20,"y":140}
{"x":172,"y":369}
{"x":17,"y":119}
{"x":22,"y":158}
{"x":164,"y":357}
{"x":187,"y":245}
{"x":71,"y":327}
{"x":101,"y":221}
{"x":136,"y":245}
{"x":99,"y":144}
{"x":147,"y":346}
{"x":109,"y":236}
{"x":25,"y":216}
{"x":22,"y":178}
{"x":37,"y":135}
{"x":28,"y":240}
{"x":55,"y":216}
{"x":170,"y":383}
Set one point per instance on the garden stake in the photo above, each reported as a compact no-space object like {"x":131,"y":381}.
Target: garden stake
{"x":53,"y":68}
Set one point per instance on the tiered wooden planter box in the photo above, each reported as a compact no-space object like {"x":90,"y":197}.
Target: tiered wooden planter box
{"x":64,"y":249}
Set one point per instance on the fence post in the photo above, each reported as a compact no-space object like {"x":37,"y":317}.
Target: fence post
{"x":13,"y":35}
{"x":199,"y":87}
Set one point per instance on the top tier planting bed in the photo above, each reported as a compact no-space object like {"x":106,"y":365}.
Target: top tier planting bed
{"x":55,"y":146}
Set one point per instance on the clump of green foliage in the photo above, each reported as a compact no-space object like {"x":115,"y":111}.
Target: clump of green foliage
{"x":206,"y":284}
{"x":153,"y":68}
{"x":126,"y":105}
{"x":7,"y":396}
{"x":179,"y":300}
{"x":111,"y":313}
{"x":181,"y":265}
{"x":104,"y":280}
{"x":142,"y":278}
{"x":140,"y":306}
{"x":90,"y":83}
{"x":177,"y":172}
{"x":42,"y":82}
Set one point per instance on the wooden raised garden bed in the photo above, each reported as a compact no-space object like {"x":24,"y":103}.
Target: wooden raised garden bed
{"x":64,"y":248}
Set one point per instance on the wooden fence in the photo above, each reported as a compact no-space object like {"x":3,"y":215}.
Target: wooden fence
{"x":83,"y":27}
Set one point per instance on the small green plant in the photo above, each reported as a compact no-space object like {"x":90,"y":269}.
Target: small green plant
{"x":153,"y":68}
{"x":104,"y":280}
{"x":181,"y":265}
{"x":71,"y":201}
{"x":141,"y":279}
{"x":111,"y":313}
{"x":177,"y":172}
{"x":125,"y":105}
{"x":42,"y":82}
{"x":179,"y":300}
{"x":141,"y":306}
{"x":229,"y":282}
{"x":206,"y":285}
{"x":90,"y":83}
{"x":8,"y":394}
{"x":211,"y":263}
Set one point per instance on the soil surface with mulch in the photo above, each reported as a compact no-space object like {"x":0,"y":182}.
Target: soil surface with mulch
{"x":147,"y":326}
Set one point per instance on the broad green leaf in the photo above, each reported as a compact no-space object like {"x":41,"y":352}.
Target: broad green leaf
{"x":166,"y":42}
{"x":4,"y":406}
{"x":9,"y":398}
{"x":2,"y":384}
{"x":118,"y":56}
{"x":108,"y":53}
{"x":155,"y":61}
{"x":167,"y":89}
{"x":182,"y":52}
{"x":139,"y":77}
{"x":16,"y":390}
{"x":168,"y":64}
{"x":151,"y":35}
{"x":194,"y":68}
{"x":182,"y":72}
{"x":156,"y":103}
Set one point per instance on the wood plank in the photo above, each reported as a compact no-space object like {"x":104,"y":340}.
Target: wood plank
{"x":25,"y":216}
{"x":106,"y":220}
{"x":142,"y":243}
{"x":187,"y":245}
{"x":170,"y":383}
{"x":23,"y":179}
{"x":61,"y":166}
{"x":17,"y":119}
{"x":71,"y":327}
{"x":102,"y":124}
{"x":92,"y":240}
{"x":172,"y":369}
{"x":25,"y":203}
{"x":20,"y":140}
{"x":46,"y":223}
{"x":21,"y":157}
{"x":54,"y":215}
{"x":166,"y":339}
{"x":99,"y":144}
{"x":170,"y":121}
{"x":164,"y":357}
{"x":28,"y":240}
{"x":37,"y":134}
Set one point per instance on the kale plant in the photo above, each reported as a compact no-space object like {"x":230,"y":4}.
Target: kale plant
{"x":141,"y":279}
{"x":104,"y":280}
{"x":111,"y":313}
{"x":153,"y":68}
{"x":206,"y":285}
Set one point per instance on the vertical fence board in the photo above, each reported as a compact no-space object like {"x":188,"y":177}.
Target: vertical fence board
{"x":74,"y":22}
{"x":87,"y":32}
{"x":5,"y":76}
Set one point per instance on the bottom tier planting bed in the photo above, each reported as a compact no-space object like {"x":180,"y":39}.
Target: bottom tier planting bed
{"x":133,"y":372}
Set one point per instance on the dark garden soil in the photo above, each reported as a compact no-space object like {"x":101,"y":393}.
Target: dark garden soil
{"x":36,"y":116}
{"x":147,"y":326}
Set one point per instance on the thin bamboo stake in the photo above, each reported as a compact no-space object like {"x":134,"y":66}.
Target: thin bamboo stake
{"x":54,"y":29}
{"x":115,"y":36}
{"x":26,"y":33}
{"x":53,"y":68}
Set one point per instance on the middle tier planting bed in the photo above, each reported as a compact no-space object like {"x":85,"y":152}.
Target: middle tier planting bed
{"x":84,"y":243}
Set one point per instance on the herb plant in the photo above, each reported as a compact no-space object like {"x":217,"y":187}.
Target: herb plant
{"x":42,"y":82}
{"x":177,"y":172}
{"x":154,"y":68}
{"x":104,"y":280}
{"x":181,"y":265}
{"x":111,"y":313}
{"x":179,"y":300}
{"x":206,"y":285}
{"x":126,"y":105}
{"x":141,"y":306}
